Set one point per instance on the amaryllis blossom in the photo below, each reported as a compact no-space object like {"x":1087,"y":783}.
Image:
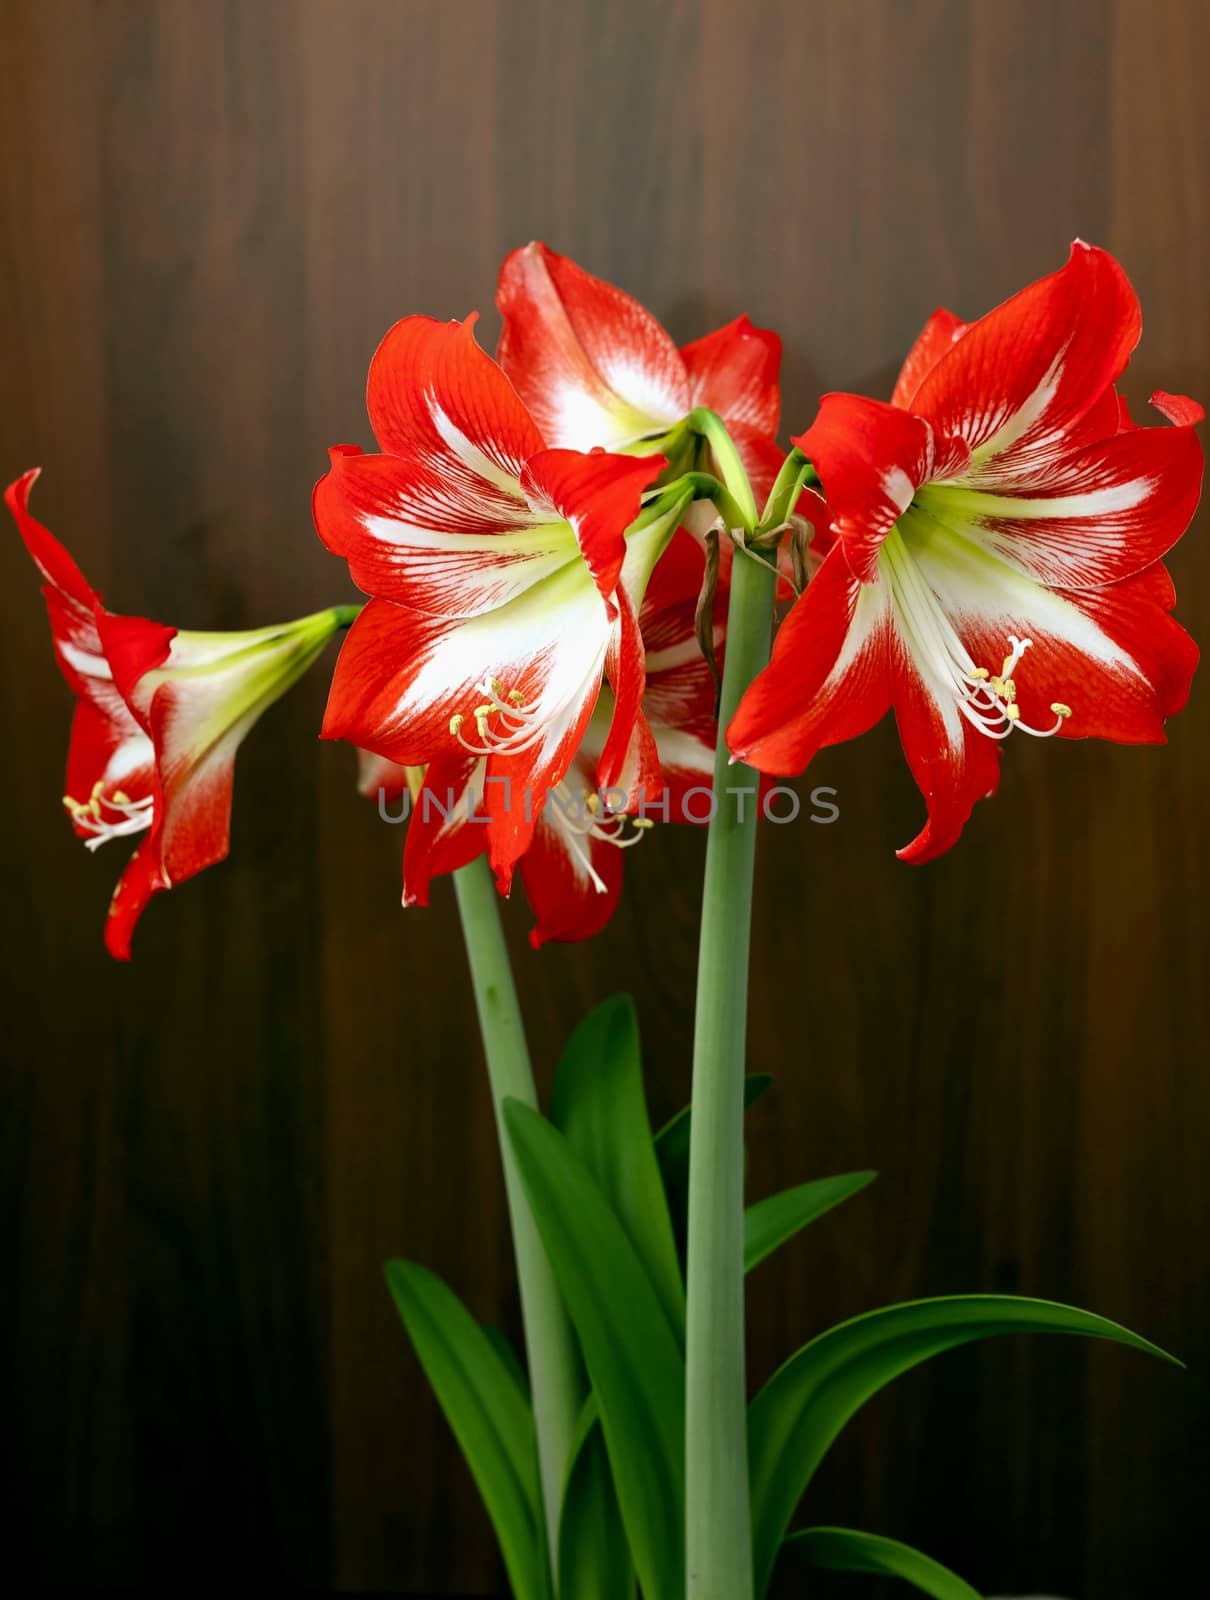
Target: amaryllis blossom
{"x":159,"y":716}
{"x":999,"y":528}
{"x":572,"y":868}
{"x":505,"y":580}
{"x":596,"y":369}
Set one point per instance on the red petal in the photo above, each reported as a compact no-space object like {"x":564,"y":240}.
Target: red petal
{"x":829,"y":678}
{"x":192,"y":827}
{"x":566,"y":901}
{"x":734,"y":371}
{"x":938,"y":336}
{"x":51,"y":559}
{"x":401,"y":677}
{"x":1140,"y":675}
{"x":872,"y":458}
{"x":441,"y":546}
{"x":625,"y":667}
{"x":1095,"y":517}
{"x":1021,"y":380}
{"x":107,"y":744}
{"x":133,"y":647}
{"x":441,"y":835}
{"x":953,"y":764}
{"x":591,"y":364}
{"x":600,"y":495}
{"x":136,"y":886}
{"x":378,"y":778}
{"x":1178,"y":408}
{"x":435,"y":396}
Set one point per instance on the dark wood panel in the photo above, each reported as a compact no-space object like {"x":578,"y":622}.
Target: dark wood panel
{"x":211,"y":212}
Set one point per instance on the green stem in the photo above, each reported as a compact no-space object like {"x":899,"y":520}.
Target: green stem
{"x":550,"y":1349}
{"x":717,"y":1518}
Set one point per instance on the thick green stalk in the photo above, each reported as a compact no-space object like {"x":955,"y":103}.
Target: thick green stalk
{"x":550,"y":1350}
{"x":717,"y":1519}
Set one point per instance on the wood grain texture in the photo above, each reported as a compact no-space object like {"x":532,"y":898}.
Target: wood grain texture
{"x":211,"y":212}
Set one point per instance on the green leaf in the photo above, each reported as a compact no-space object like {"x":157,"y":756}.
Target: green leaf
{"x":597,"y":1102}
{"x":594,"y":1558}
{"x":488,"y":1413}
{"x":672,"y":1150}
{"x":503,"y":1346}
{"x":769,"y":1223}
{"x":805,"y":1404}
{"x":633,"y":1360}
{"x":844,"y":1550}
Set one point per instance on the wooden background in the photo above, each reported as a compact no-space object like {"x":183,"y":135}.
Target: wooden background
{"x":211,"y":211}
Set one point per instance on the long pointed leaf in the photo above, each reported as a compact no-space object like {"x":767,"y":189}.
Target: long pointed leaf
{"x":632,"y":1356}
{"x":845,"y":1550}
{"x":770,"y":1222}
{"x":594,"y":1558}
{"x":598,"y":1103}
{"x":488,"y":1414}
{"x":805,"y":1404}
{"x":503,"y":1346}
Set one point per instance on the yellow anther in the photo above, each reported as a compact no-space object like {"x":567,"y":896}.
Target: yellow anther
{"x":456,"y":722}
{"x":592,"y":801}
{"x":120,"y":798}
{"x":515,"y":697}
{"x":997,"y":687}
{"x":1013,"y":713}
{"x":497,"y":688}
{"x":481,"y":715}
{"x":93,"y":807}
{"x":1010,"y":689}
{"x":1008,"y":664}
{"x":979,"y":672}
{"x":1059,"y":709}
{"x":642,"y":822}
{"x":97,"y":787}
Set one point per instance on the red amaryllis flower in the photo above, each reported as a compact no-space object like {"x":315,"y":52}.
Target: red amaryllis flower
{"x":572,"y":868}
{"x":999,"y":529}
{"x":505,"y":579}
{"x":159,"y":716}
{"x":596,"y":369}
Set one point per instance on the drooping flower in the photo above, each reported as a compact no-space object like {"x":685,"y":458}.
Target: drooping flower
{"x":505,"y":580}
{"x":999,"y":528}
{"x":596,"y":369}
{"x":572,"y":867}
{"x":159,"y":716}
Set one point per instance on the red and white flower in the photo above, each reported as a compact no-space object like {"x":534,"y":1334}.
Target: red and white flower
{"x":999,"y":528}
{"x":505,"y":579}
{"x":572,"y":867}
{"x":596,"y":369}
{"x":159,"y":716}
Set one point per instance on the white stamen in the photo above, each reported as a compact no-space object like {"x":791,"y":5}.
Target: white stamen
{"x":579,"y":818}
{"x":504,"y":723}
{"x":109,"y":817}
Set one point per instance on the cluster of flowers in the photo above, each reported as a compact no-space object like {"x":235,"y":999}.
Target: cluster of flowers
{"x":987,"y":560}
